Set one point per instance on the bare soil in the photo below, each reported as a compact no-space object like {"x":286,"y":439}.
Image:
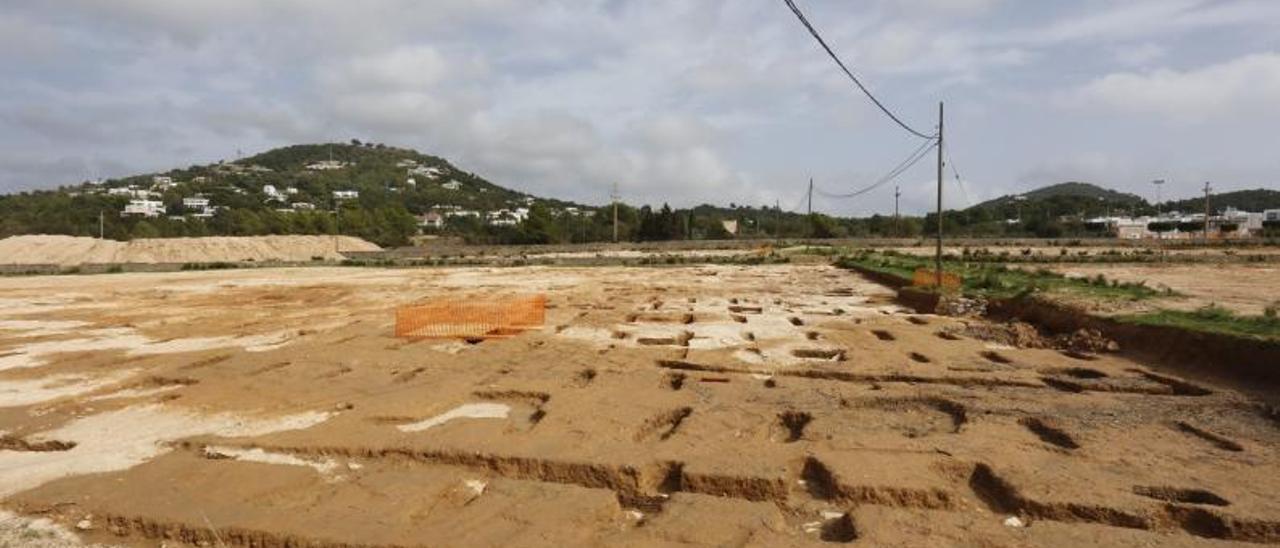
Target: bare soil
{"x":1244,"y":289}
{"x":72,"y":250}
{"x":709,"y":406}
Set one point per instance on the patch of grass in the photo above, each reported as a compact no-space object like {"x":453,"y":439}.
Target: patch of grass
{"x":1214,"y":319}
{"x":1000,"y":281}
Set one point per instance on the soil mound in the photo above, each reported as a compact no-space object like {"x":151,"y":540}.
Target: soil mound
{"x":73,"y":250}
{"x":1025,"y":335}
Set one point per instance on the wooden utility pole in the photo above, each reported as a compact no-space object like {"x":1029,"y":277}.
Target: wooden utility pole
{"x":777,"y":218}
{"x":896,"y":194}
{"x":937,"y":256}
{"x":1206,"y":210}
{"x":101,"y":232}
{"x":810,"y":210}
{"x":614,"y":196}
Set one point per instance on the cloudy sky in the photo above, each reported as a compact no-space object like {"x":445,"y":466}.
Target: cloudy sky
{"x":685,"y":101}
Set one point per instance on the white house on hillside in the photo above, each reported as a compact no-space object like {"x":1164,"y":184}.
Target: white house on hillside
{"x":346,"y":194}
{"x":326,"y":165}
{"x":145,"y":208}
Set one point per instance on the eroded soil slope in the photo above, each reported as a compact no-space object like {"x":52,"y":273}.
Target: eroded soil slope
{"x":710,"y":406}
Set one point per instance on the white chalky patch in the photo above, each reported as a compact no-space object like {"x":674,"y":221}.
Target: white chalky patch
{"x":475,"y":486}
{"x":129,"y":340}
{"x":325,"y":466}
{"x":130,"y":393}
{"x":467,"y":411}
{"x":40,"y":328}
{"x":17,"y":530}
{"x":121,"y":439}
{"x":17,"y":393}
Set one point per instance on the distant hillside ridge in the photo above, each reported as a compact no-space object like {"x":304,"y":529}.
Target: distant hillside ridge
{"x":1067,"y":190}
{"x":1256,"y":200}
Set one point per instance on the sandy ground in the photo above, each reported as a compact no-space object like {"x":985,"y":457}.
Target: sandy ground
{"x":1054,"y":251}
{"x":709,"y":406}
{"x":1245,"y":289}
{"x":71,"y":250}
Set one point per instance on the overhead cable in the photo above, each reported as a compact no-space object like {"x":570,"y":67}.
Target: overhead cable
{"x":805,"y":21}
{"x":911,"y":160}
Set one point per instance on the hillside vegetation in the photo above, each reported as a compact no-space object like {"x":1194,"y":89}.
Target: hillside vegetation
{"x":396,"y":184}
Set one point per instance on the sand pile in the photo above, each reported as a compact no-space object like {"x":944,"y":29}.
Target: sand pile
{"x":72,"y":250}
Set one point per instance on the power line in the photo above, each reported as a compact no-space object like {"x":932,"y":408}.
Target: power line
{"x":959,"y":182}
{"x":911,"y":160}
{"x":805,"y":21}
{"x":803,"y":197}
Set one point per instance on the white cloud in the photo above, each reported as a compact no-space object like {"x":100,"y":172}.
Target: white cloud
{"x":713,"y":100}
{"x":1246,"y":86}
{"x":1139,"y":55}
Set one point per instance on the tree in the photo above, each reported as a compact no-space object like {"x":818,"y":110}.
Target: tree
{"x":144,"y":229}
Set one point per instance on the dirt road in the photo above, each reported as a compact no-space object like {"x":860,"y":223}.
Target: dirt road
{"x":710,"y":406}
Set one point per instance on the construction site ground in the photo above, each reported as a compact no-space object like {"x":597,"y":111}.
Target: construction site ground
{"x":784,"y":405}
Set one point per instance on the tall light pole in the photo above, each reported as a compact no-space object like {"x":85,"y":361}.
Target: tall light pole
{"x":1159,"y":183}
{"x":1206,"y":210}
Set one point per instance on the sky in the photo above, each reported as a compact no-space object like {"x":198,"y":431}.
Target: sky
{"x":679,"y":101}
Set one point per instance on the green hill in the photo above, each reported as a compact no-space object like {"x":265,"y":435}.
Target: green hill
{"x":1247,"y":200}
{"x":288,"y":190}
{"x":1070,"y":192}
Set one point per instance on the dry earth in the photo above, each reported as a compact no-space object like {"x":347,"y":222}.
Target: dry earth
{"x":72,"y":250}
{"x":1245,"y":289}
{"x":708,"y":406}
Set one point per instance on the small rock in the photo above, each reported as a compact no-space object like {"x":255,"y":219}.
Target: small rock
{"x":84,"y":524}
{"x":1014,"y":521}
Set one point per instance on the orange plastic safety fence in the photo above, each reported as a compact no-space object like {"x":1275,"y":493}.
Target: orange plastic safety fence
{"x":471,"y":318}
{"x":924,"y":277}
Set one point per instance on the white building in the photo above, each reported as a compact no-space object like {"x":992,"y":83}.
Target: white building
{"x":452,"y":185}
{"x":411,"y":182}
{"x":145,"y":208}
{"x":1271,"y":215}
{"x":462,"y":213}
{"x":162,"y":182}
{"x":428,"y":172}
{"x":195,"y":202}
{"x":291,"y":190}
{"x":271,"y":192}
{"x":207,"y":212}
{"x":346,"y":194}
{"x":502,"y":220}
{"x":299,"y":206}
{"x":326,"y":165}
{"x":407,"y":162}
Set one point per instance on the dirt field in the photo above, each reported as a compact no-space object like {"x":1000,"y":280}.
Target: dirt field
{"x":709,"y":406}
{"x":1245,"y":289}
{"x":72,"y":250}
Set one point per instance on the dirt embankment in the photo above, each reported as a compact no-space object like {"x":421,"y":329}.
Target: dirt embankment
{"x":72,"y":250}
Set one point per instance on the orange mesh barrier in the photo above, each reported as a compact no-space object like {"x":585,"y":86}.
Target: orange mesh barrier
{"x":471,"y":318}
{"x":929,"y":278}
